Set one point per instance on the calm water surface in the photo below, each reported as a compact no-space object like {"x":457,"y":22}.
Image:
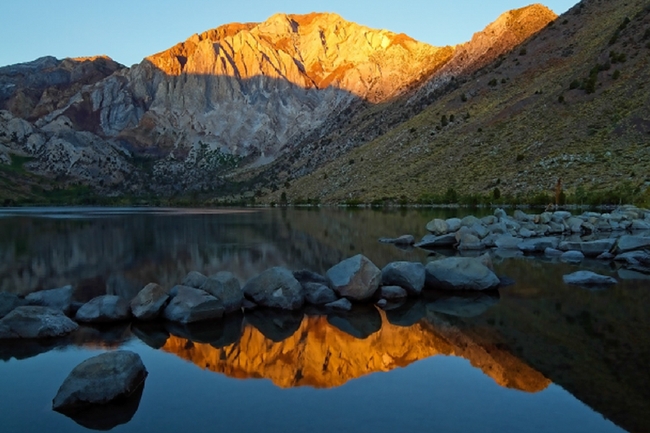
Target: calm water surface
{"x":539,"y":357}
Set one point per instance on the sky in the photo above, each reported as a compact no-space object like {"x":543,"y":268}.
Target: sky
{"x":129,"y":30}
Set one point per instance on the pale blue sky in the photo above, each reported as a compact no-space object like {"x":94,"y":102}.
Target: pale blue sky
{"x":128,"y":30}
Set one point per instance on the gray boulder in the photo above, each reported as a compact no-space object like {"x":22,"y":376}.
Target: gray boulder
{"x":526,"y":233}
{"x":490,"y":240}
{"x":431,"y":241}
{"x":572,"y":257}
{"x":469,"y":221}
{"x":489,"y":220}
{"x":226,"y":288}
{"x":189,"y":305}
{"x":634,"y":258}
{"x":574,"y":224}
{"x":480,"y":230}
{"x":392,"y":292}
{"x":460,"y":273}
{"x":341,"y":304}
{"x":104,"y":309}
{"x":588,"y":278}
{"x":508,"y":242}
{"x":499,"y":228}
{"x":59,"y":299}
{"x":35,"y":322}
{"x":194,"y":279}
{"x":318,"y":294}
{"x":356,"y":278}
{"x":538,"y":244}
{"x":500,"y":214}
{"x":596,"y":248}
{"x":276,"y":288}
{"x":640,"y":225}
{"x":100,"y":380}
{"x":438,"y":227}
{"x":552,"y":252}
{"x":408,"y":275}
{"x":149,"y":302}
{"x":453,"y":224}
{"x":306,"y":276}
{"x":8,"y":302}
{"x":560,"y":215}
{"x":630,"y":243}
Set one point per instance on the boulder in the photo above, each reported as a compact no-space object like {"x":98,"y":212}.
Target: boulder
{"x":189,"y":305}
{"x":305,"y":276}
{"x":588,"y":278}
{"x":500,"y":214}
{"x":35,"y":322}
{"x":8,"y":302}
{"x":149,"y":302}
{"x":560,"y":215}
{"x":453,"y":224}
{"x":194,"y":279}
{"x":499,"y":228}
{"x":431,"y":241}
{"x":597,"y":247}
{"x":538,"y":245}
{"x":275,"y":288}
{"x":408,"y":275}
{"x":460,"y":273}
{"x":318,"y":294}
{"x":490,"y":240}
{"x":104,"y":309}
{"x":572,"y":257}
{"x":555,"y":228}
{"x":521,"y":216}
{"x":392,"y":292}
{"x":341,"y":304}
{"x":403,"y":241}
{"x":640,"y":225}
{"x":508,"y":242}
{"x":59,"y":299}
{"x":634,"y":258}
{"x":630,"y":243}
{"x":606,"y":256}
{"x":226,"y":288}
{"x":469,"y":221}
{"x":489,"y":220}
{"x":574,"y":224}
{"x":526,"y":233}
{"x":100,"y":380}
{"x":480,"y":230}
{"x":356,"y":278}
{"x":552,"y":252}
{"x":438,"y":227}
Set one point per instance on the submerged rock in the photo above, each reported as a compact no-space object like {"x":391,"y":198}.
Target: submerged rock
{"x":431,"y":241}
{"x":190,"y":305}
{"x":460,"y":273}
{"x":404,"y":240}
{"x":408,"y":275}
{"x":35,"y":322}
{"x":104,"y":309}
{"x":356,"y":278}
{"x":59,"y":299}
{"x":572,"y":257}
{"x":588,"y":278}
{"x":276,"y":288}
{"x":100,"y":380}
{"x":149,"y":302}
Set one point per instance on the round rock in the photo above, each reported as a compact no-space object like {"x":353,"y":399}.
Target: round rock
{"x":356,"y":278}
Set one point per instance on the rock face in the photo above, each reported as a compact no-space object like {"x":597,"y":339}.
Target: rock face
{"x":408,"y":275}
{"x":104,"y":309}
{"x":35,"y":322}
{"x":226,"y":288}
{"x":587,"y":278}
{"x":275,"y":288}
{"x":356,"y":278}
{"x":100,"y":380}
{"x":60,"y":299}
{"x":190,"y":305}
{"x":149,"y":302}
{"x":460,"y":273}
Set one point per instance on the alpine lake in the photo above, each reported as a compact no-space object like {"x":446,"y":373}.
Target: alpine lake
{"x":536,"y":356}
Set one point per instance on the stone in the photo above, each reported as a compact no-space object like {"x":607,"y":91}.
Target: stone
{"x":341,"y":304}
{"x":408,"y":275}
{"x":382,"y":303}
{"x":306,"y":276}
{"x":36,"y":322}
{"x":555,"y":228}
{"x":521,"y":216}
{"x":460,"y":273}
{"x":392,"y":292}
{"x":59,"y":299}
{"x":500,"y":214}
{"x":318,"y":294}
{"x":226,"y":288}
{"x":356,"y":278}
{"x":560,"y":215}
{"x":508,"y":242}
{"x":631,"y":242}
{"x":552,"y":252}
{"x":404,"y":240}
{"x":499,"y":228}
{"x":597,"y":247}
{"x":469,"y":221}
{"x":588,"y":278}
{"x":490,"y":240}
{"x":640,"y":225}
{"x":438,"y":227}
{"x":453,"y":224}
{"x":275,"y":288}
{"x":575,"y":224}
{"x":526,"y":233}
{"x":606,"y":256}
{"x":104,"y":309}
{"x":480,"y":230}
{"x":194,"y":279}
{"x":489,"y":220}
{"x":467,"y":240}
{"x":100,"y":380}
{"x":634,"y":258}
{"x":538,"y":245}
{"x":431,"y":241}
{"x":189,"y":305}
{"x":545,"y":218}
{"x":572,"y":257}
{"x":8,"y":302}
{"x":149,"y":302}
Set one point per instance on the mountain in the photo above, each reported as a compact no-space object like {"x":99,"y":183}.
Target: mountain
{"x":231,"y":100}
{"x":570,"y":103}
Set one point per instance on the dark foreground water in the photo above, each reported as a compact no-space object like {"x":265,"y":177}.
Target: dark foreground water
{"x":539,"y":357}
